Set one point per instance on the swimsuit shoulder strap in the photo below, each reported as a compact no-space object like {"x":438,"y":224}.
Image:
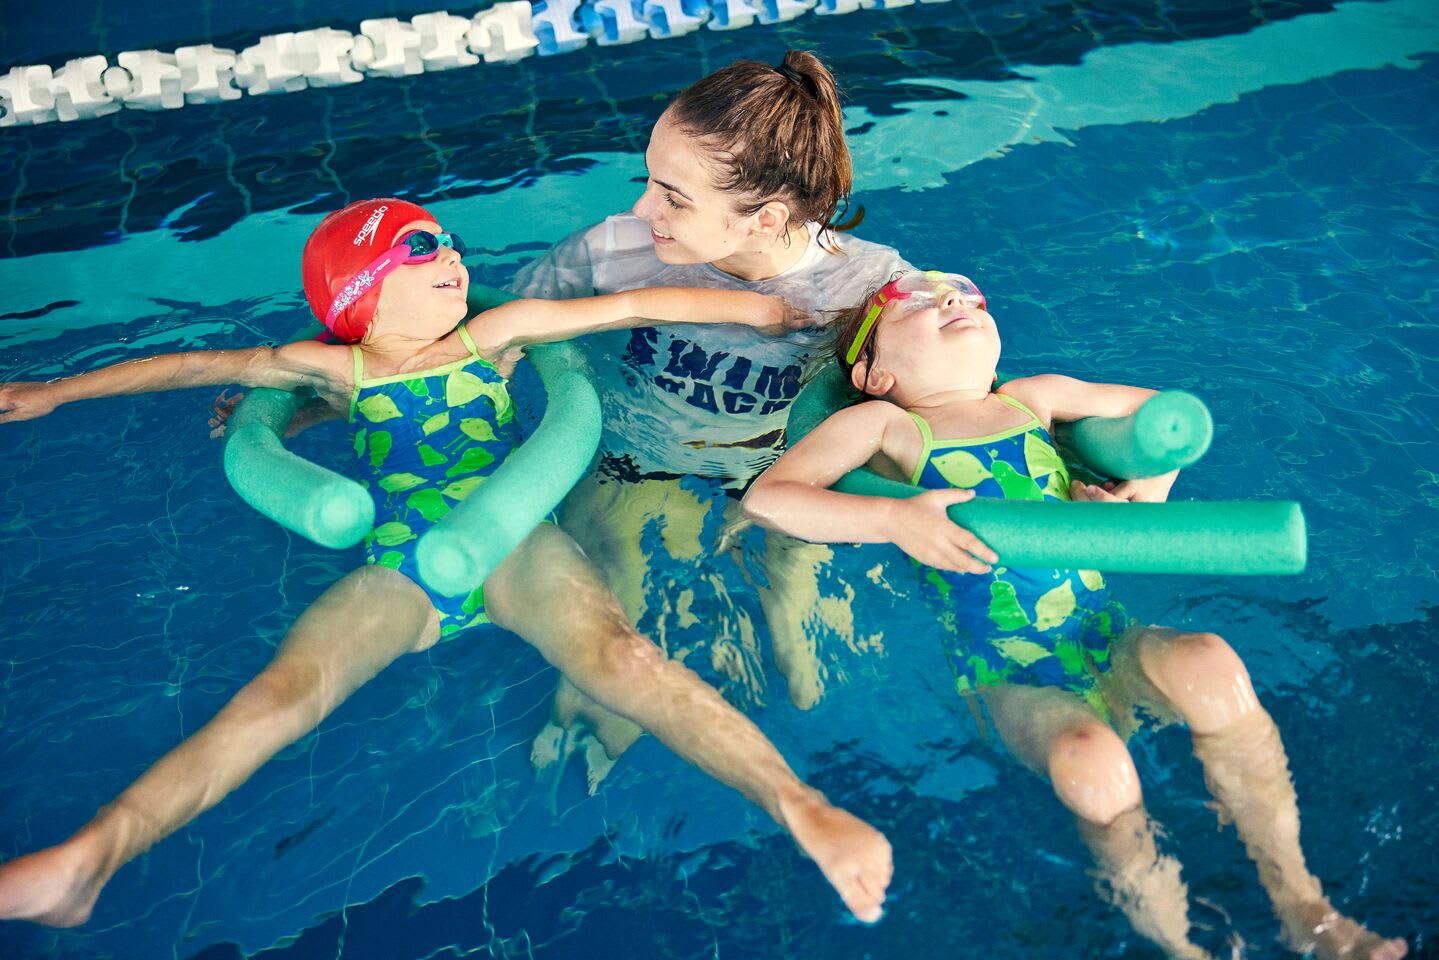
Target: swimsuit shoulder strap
{"x":1021,"y":407}
{"x":469,"y":342}
{"x":926,"y":448}
{"x":359,"y":361}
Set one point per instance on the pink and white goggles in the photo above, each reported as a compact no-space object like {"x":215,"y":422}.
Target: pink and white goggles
{"x":914,"y":290}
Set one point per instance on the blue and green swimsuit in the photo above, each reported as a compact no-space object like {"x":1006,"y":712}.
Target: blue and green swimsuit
{"x":1028,"y":626}
{"x":428,"y":439}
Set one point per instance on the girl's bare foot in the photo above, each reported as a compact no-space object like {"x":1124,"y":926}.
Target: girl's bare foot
{"x":1320,"y":929}
{"x":56,"y":886}
{"x":853,"y":856}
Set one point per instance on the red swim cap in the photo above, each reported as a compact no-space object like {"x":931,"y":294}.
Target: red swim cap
{"x":342,"y":245}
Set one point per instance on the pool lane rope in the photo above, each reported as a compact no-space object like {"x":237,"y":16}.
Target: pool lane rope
{"x":463,"y":549}
{"x":91,"y":86}
{"x":1170,"y":431}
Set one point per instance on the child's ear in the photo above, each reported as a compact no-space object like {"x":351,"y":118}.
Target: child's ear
{"x":876,"y":382}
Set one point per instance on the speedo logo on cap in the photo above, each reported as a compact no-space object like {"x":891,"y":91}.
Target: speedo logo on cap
{"x":371,"y":225}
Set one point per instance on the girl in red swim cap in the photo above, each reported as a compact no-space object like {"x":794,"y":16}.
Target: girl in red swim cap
{"x":426,"y":394}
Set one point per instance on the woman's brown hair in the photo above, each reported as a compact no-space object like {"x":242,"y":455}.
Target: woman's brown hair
{"x":779,"y":133}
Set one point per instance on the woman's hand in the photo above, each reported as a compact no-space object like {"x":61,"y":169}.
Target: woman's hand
{"x":312,"y":411}
{"x":777,"y":316}
{"x":26,"y":400}
{"x":221,"y":408}
{"x":921,"y":527}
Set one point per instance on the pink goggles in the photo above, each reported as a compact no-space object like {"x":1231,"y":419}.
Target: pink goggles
{"x":417,"y":246}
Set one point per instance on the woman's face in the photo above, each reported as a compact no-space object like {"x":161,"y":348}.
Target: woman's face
{"x":691,"y":220}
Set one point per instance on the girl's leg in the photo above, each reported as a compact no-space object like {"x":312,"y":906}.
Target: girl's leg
{"x":1201,"y":679}
{"x":1058,"y":735}
{"x":547,"y":592}
{"x":355,"y":629}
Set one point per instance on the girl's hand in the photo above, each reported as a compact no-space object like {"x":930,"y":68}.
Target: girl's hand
{"x":26,"y":400}
{"x":920,"y":526}
{"x":778,"y":317}
{"x":1148,"y":490}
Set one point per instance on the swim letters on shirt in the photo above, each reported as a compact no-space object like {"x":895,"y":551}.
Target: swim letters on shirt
{"x":706,"y":400}
{"x":715,"y":381}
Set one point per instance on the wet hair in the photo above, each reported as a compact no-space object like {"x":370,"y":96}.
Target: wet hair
{"x":777,"y":133}
{"x":846,"y":324}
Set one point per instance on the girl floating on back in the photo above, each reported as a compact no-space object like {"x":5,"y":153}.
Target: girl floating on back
{"x":1049,"y":654}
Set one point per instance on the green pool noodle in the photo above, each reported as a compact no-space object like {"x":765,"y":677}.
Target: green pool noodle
{"x":1170,"y":431}
{"x":463,"y":549}
{"x":317,"y":503}
{"x":1231,"y":538}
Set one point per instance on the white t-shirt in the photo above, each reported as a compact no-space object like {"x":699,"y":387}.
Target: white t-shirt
{"x":709,"y":400}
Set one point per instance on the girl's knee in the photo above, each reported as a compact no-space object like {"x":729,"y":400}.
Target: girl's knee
{"x":1093,"y":774}
{"x":1202,"y":677}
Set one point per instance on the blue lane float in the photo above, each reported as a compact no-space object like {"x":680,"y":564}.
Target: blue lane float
{"x":463,"y":549}
{"x":1232,"y":538}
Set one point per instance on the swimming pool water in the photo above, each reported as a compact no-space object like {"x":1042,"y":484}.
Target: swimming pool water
{"x":1239,"y":200}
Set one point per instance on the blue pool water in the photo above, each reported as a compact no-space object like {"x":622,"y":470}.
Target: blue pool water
{"x":1240,"y":199}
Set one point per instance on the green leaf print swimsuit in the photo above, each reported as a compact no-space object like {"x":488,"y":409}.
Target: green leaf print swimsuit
{"x":428,"y":439}
{"x":1031,"y":626}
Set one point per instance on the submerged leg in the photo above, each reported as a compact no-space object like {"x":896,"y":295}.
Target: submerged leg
{"x":549,"y":594}
{"x":1200,"y":678}
{"x":607,"y":520}
{"x":355,"y":629}
{"x":795,"y":613}
{"x":1058,"y":735}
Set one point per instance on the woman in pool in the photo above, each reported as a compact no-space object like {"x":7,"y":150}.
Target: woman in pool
{"x":748,"y":169}
{"x":427,"y":397}
{"x":1049,"y":654}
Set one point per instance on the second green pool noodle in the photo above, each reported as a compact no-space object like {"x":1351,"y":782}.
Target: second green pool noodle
{"x":1247,"y":538}
{"x":464,"y":548}
{"x":1171,"y":431}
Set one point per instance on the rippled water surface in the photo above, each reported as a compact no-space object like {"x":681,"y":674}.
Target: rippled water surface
{"x":1241,"y":200}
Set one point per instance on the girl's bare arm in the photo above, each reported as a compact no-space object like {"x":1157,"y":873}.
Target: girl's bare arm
{"x":1057,"y":398}
{"x":290,"y":367}
{"x":517,"y":324}
{"x":793,"y":495}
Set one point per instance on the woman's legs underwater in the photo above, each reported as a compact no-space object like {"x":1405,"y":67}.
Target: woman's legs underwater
{"x":608,"y":519}
{"x":548,"y":593}
{"x":350,"y":633}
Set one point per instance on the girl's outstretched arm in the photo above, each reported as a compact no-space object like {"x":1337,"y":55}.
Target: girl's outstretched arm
{"x":511,"y":326}
{"x":1053,"y":397}
{"x":793,"y":495}
{"x":1057,"y":398}
{"x":288,"y":367}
